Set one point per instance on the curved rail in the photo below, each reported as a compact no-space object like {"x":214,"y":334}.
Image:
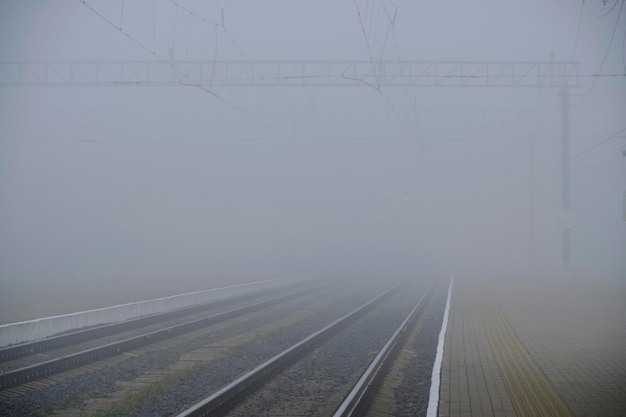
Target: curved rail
{"x":357,"y":401}
{"x":30,"y":373}
{"x":229,"y":396}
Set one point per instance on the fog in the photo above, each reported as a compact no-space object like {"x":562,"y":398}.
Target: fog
{"x":116,"y":186}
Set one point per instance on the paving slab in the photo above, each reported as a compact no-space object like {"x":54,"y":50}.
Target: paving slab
{"x":535,"y":348}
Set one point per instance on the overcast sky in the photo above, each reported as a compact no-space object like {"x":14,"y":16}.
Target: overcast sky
{"x":103,"y":183}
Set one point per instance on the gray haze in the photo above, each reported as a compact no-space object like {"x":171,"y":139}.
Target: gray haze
{"x":129,"y":184}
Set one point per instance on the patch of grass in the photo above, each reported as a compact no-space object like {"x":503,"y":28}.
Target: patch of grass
{"x":133,"y":400}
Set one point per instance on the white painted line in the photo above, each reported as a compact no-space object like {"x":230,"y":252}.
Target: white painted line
{"x":435,"y":380}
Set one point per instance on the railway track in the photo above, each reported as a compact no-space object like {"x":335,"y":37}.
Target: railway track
{"x":394,"y":383}
{"x":255,"y":392}
{"x":31,"y":362}
{"x":10,"y":355}
{"x":169,"y":376}
{"x":162,"y":378}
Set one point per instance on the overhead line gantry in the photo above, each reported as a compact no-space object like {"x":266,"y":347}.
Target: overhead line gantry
{"x":561,"y":74}
{"x":373,"y":74}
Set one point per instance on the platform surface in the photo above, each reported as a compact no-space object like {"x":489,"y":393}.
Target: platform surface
{"x":535,"y":348}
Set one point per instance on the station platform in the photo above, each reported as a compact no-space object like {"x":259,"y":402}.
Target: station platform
{"x":535,"y":348}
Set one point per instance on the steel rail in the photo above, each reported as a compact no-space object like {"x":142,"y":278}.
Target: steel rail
{"x":25,"y":349}
{"x":33,"y":372}
{"x":224,"y":400}
{"x":357,"y":401}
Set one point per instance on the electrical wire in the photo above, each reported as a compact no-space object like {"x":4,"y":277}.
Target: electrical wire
{"x":221,"y":25}
{"x":243,"y":55}
{"x":605,"y":13}
{"x":224,"y":29}
{"x":153,"y":28}
{"x":606,"y":54}
{"x":370,"y":28}
{"x":367,"y":45}
{"x":191,"y":12}
{"x":174,"y":32}
{"x":122,"y":14}
{"x":187,"y":38}
{"x":624,"y":51}
{"x":615,"y":74}
{"x":184,"y":75}
{"x":611,"y":158}
{"x":392,"y":26}
{"x":602,"y":142}
{"x":580,"y":18}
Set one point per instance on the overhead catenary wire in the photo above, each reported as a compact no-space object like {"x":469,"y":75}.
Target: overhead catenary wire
{"x":184,"y":75}
{"x":388,"y":44}
{"x":173,"y":47}
{"x":615,"y":74}
{"x":122,"y":15}
{"x":611,"y":158}
{"x":580,"y":18}
{"x":602,"y":142}
{"x":191,"y":12}
{"x":370,"y":27}
{"x":605,"y":13}
{"x":568,"y":73}
{"x":556,"y":166}
{"x":624,"y":51}
{"x":221,"y":26}
{"x":153,"y":28}
{"x":606,"y":54}
{"x":392,"y":26}
{"x":367,"y":42}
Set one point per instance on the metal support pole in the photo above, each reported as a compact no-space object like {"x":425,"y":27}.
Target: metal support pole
{"x":566,"y":213}
{"x":532,"y":235}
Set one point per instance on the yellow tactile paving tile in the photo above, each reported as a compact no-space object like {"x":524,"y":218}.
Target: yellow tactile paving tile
{"x":471,"y":384}
{"x":530,"y":391}
{"x":535,"y":348}
{"x":576,"y":333}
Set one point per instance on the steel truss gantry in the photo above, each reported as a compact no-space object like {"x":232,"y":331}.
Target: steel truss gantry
{"x":373,"y":74}
{"x":215,"y":74}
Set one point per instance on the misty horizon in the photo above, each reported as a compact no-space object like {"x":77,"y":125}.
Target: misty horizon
{"x":124,"y":183}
